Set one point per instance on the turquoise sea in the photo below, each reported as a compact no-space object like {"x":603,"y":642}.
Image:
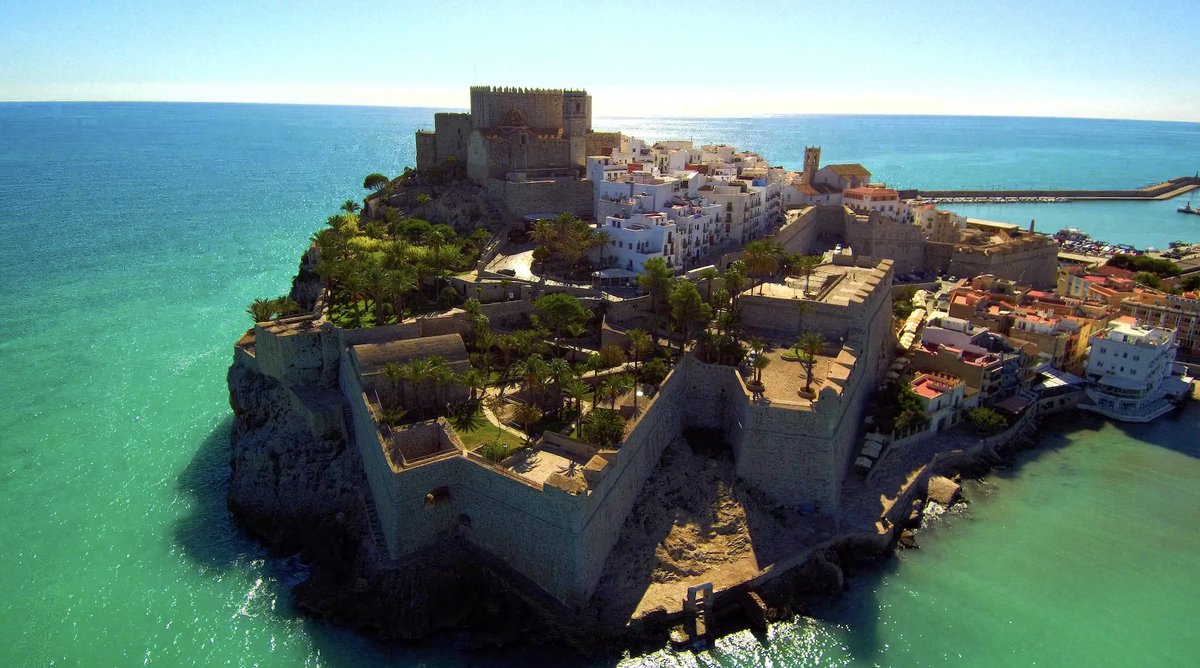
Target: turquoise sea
{"x":136,"y":234}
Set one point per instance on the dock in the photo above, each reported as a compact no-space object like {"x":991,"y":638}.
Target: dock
{"x":1158,"y":191}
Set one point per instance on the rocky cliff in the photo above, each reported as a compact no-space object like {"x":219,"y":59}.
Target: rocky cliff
{"x":303,"y":494}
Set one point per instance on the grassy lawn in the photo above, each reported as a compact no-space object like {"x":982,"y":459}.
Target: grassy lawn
{"x":478,"y":434}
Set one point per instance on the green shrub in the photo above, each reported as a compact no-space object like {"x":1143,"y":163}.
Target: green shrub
{"x":653,"y":372}
{"x":986,"y":420}
{"x":603,"y":427}
{"x":494,"y":451}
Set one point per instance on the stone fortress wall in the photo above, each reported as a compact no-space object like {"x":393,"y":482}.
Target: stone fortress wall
{"x":556,"y":538}
{"x":1031,"y":259}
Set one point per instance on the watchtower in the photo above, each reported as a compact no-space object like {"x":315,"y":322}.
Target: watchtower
{"x":577,"y":122}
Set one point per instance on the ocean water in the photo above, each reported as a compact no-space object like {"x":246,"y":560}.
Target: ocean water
{"x":136,"y":234}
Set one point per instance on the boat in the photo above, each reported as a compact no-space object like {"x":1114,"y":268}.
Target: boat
{"x":1188,"y":208}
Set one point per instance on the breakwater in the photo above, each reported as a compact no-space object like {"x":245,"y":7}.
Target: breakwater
{"x":1158,"y":191}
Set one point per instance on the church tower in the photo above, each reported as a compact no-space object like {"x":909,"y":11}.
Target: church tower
{"x":812,"y":162}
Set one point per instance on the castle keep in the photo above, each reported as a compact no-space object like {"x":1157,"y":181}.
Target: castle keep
{"x":528,"y":146}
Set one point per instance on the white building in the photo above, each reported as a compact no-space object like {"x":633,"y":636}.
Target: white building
{"x":639,"y":237}
{"x":883,"y":200}
{"x":1131,"y":372}
{"x":744,"y":211}
{"x":714,"y":195}
{"x":942,"y":396}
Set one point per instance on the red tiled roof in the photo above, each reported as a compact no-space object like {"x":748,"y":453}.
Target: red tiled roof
{"x":872,"y":192}
{"x":851,"y":169}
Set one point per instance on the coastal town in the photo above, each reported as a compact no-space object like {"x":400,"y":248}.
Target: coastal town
{"x":659,"y":388}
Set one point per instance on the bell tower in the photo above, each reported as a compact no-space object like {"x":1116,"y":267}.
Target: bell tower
{"x":812,"y":162}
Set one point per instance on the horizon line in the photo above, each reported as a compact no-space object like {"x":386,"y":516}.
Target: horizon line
{"x":645,"y":115}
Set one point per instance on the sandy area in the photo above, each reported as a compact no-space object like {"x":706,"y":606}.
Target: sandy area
{"x":692,"y":524}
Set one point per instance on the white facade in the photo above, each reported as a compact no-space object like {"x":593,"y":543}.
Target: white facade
{"x":1129,"y":372}
{"x":713,"y":194}
{"x":941,"y":396}
{"x":884,"y":200}
{"x":639,"y":237}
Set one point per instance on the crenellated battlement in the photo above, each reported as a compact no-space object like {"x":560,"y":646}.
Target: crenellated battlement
{"x":521,"y":90}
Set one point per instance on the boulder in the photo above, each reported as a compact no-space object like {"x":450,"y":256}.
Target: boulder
{"x":943,"y":491}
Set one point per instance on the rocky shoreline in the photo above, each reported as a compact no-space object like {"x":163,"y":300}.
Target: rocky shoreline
{"x":297,"y":494}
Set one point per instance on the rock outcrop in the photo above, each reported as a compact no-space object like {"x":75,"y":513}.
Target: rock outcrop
{"x":943,"y":491}
{"x":288,"y":488}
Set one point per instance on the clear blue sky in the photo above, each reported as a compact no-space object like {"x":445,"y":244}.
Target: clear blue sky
{"x":1130,"y":59}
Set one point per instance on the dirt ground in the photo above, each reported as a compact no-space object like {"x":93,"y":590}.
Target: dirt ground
{"x":693,"y":524}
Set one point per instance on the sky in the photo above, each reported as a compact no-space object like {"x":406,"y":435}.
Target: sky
{"x":1104,"y":59}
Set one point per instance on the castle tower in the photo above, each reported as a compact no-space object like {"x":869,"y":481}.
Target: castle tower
{"x":577,"y":122}
{"x":812,"y":162}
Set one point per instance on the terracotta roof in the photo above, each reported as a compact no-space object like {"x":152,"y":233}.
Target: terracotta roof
{"x":1115,"y":272}
{"x":851,"y":169}
{"x":873,"y":192}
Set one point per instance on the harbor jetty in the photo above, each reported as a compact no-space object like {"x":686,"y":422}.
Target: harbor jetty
{"x":1158,"y":191}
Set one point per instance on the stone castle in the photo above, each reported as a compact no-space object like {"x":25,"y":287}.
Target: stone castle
{"x":527,"y":146}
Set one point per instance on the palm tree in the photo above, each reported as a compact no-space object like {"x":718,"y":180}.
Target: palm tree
{"x":806,"y":266}
{"x":708,"y":275}
{"x":440,"y":374}
{"x":762,"y":259}
{"x":559,"y":371}
{"x":476,"y":380}
{"x":601,"y":391}
{"x":285,"y":305}
{"x":618,"y":386}
{"x":527,"y":415}
{"x":394,"y":373}
{"x":375,"y":287}
{"x":444,"y":259}
{"x":802,"y":307}
{"x":350,"y":206}
{"x":734,"y":279}
{"x":576,"y":389}
{"x":261,"y":310}
{"x":533,"y":371}
{"x":602,"y":240}
{"x":397,"y":284}
{"x":416,"y":372}
{"x":392,"y":415}
{"x":807,"y":349}
{"x":656,"y":278}
{"x":423,"y":201}
{"x":640,"y":346}
{"x":760,"y":360}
